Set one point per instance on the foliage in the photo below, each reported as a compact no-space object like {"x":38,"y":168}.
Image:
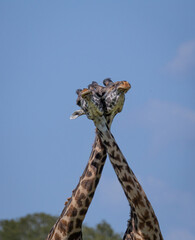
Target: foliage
{"x":37,"y":226}
{"x":102,"y":231}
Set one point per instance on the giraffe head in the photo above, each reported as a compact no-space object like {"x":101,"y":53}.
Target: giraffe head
{"x":96,"y":101}
{"x":114,"y":97}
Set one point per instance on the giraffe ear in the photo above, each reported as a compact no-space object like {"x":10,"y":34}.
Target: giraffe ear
{"x":77,"y":114}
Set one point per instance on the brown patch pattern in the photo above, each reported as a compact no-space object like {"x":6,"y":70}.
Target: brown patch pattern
{"x":62,"y":226}
{"x":83,"y":212}
{"x":72,"y":212}
{"x":70,"y":226}
{"x":57,"y":237}
{"x":75,"y":236}
{"x":79,"y":198}
{"x":78,"y":223}
{"x":87,"y":184}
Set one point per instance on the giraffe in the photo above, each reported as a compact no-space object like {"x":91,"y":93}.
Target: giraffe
{"x":143,"y":223}
{"x":69,"y":224}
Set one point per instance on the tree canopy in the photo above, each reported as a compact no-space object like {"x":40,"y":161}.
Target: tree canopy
{"x":37,"y":226}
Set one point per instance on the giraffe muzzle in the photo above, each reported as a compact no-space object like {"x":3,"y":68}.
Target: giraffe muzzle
{"x":124,"y":86}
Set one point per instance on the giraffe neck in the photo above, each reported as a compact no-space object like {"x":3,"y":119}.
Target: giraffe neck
{"x":143,"y":223}
{"x":69,"y":224}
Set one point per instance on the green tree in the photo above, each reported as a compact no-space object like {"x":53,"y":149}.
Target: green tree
{"x":31,"y":227}
{"x":37,"y":226}
{"x":102,"y":231}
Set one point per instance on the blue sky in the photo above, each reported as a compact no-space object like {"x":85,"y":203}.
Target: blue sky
{"x":51,"y":48}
